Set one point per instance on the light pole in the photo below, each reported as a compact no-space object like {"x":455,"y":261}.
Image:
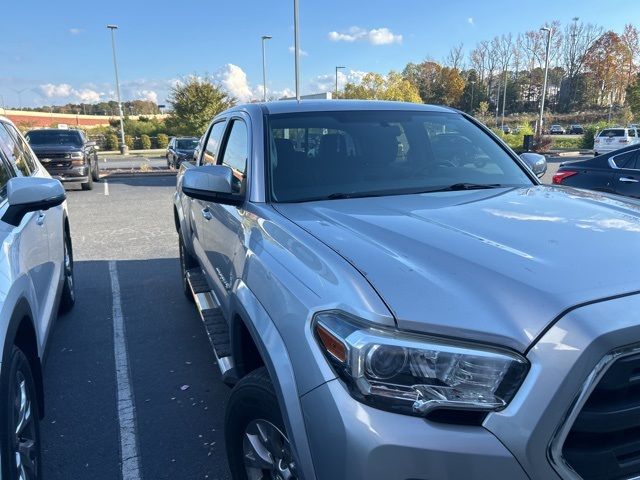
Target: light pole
{"x":264,"y":67}
{"x":2,"y":103}
{"x":296,"y":45}
{"x":19,"y":94}
{"x":337,"y":68}
{"x":544,"y":84}
{"x":473,"y":83}
{"x":123,"y":146}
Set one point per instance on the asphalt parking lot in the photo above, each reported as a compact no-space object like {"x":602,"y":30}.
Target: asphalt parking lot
{"x":124,"y":239}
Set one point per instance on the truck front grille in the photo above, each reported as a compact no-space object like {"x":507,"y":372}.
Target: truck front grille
{"x":604,"y":440}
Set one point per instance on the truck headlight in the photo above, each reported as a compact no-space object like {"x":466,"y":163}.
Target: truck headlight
{"x":415,"y":374}
{"x":76,"y":155}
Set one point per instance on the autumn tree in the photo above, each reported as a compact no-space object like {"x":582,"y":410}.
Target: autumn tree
{"x":606,"y":61}
{"x":378,"y":87}
{"x":448,"y":88}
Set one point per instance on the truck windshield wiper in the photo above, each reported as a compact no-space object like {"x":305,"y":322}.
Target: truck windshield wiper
{"x":467,"y":186}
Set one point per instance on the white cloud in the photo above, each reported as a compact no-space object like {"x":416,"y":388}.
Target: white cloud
{"x":303,"y":53}
{"x":86,"y":95}
{"x":148,"y":95}
{"x":470,"y":21}
{"x":75,"y":31}
{"x":375,"y":36}
{"x":327,"y":82}
{"x":383,"y":36}
{"x":234,"y":80}
{"x":50,"y":90}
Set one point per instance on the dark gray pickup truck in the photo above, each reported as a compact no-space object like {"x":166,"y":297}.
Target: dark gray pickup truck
{"x":67,"y":155}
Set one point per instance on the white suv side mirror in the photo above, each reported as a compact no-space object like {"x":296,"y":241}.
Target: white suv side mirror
{"x":30,"y":194}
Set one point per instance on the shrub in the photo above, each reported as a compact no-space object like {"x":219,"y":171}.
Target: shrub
{"x":145,"y":142}
{"x":129,"y":141}
{"x":572,"y":143}
{"x":590,"y":133}
{"x":111,"y":142}
{"x":163,"y":140}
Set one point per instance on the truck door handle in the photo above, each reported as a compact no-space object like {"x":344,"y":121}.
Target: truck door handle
{"x":40,"y":219}
{"x":628,"y":180}
{"x":206,"y":213}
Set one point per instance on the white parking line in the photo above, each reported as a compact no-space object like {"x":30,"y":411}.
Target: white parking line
{"x":126,"y":404}
{"x":106,"y":187}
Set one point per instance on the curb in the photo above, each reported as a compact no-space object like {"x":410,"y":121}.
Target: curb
{"x":138,"y":173}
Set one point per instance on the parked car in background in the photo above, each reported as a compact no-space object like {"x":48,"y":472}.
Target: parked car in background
{"x":424,"y":312}
{"x":556,"y":130}
{"x":67,"y":155}
{"x":180,"y":149}
{"x":576,"y":130}
{"x":36,"y":272}
{"x":615,"y":172}
{"x":506,"y":129}
{"x":611,"y":139}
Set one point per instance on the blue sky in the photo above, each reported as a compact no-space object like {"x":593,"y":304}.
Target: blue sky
{"x":60,"y":51}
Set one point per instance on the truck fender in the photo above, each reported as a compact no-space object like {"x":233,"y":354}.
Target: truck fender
{"x":276,"y":358}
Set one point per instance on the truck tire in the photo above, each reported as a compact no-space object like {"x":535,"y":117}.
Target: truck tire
{"x":96,"y":171}
{"x":187,"y":262}
{"x":20,"y":435}
{"x":88,"y":185}
{"x":68,"y":297}
{"x":257,"y":445}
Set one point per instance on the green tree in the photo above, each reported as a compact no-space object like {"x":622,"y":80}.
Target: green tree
{"x":633,"y":96}
{"x":195,"y":102}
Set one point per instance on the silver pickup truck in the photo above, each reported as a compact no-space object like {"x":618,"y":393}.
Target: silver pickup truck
{"x":393,"y":295}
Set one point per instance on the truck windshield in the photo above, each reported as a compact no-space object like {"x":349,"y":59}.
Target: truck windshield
{"x":49,"y":137}
{"x":327,"y":155}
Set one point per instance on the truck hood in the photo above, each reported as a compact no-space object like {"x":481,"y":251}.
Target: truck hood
{"x":54,"y":148}
{"x":495,"y":266}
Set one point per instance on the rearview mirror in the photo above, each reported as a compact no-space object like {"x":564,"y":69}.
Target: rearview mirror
{"x":536,"y":162}
{"x":211,"y":183}
{"x":30,"y":194}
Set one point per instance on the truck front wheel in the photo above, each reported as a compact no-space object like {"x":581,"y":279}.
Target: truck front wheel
{"x":257,"y":445}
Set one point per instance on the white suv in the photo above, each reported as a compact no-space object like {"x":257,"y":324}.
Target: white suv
{"x":36,"y":280}
{"x":611,"y":139}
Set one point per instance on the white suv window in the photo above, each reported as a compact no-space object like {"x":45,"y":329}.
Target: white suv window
{"x":28,"y":156}
{"x":12,"y":150}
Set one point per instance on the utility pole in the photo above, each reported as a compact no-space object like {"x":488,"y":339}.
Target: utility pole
{"x":473,"y":84}
{"x":19,"y":94}
{"x":296,"y":46}
{"x":123,"y":146}
{"x":336,"y":91}
{"x":264,"y":67}
{"x":504,"y":98}
{"x":544,"y":84}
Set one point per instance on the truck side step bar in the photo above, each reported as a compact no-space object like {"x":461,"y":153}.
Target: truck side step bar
{"x":214,"y":323}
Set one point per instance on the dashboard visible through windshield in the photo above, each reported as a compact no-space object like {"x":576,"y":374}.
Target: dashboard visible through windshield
{"x":325,"y":155}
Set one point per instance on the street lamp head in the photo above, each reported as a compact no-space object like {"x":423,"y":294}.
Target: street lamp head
{"x":341,"y":67}
{"x":112,"y":27}
{"x":266,"y":37}
{"x":545,"y":29}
